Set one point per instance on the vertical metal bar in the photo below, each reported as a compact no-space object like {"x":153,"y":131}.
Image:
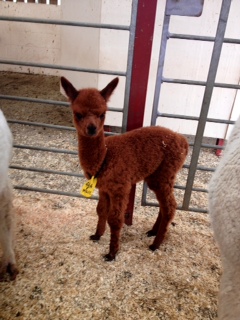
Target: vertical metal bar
{"x":142,"y":48}
{"x":158,"y":85}
{"x":207,"y":99}
{"x":132,"y":31}
{"x":161,"y":59}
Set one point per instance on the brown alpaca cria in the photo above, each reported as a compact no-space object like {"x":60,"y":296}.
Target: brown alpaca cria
{"x":152,"y":154}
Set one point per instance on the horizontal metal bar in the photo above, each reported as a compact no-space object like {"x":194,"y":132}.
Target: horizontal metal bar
{"x":63,"y":173}
{"x":200,"y":38}
{"x":183,"y":117}
{"x":59,"y":67}
{"x":200,"y":83}
{"x":34,"y":100}
{"x":154,"y":204}
{"x":210,"y":146}
{"x":45,"y":149}
{"x":65,"y":23}
{"x":52,"y":126}
{"x":200,"y":168}
{"x":52,"y":102}
{"x":62,"y":193}
{"x":38,"y":124}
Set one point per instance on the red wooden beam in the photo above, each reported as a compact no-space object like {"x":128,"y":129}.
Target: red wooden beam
{"x":140,"y":70}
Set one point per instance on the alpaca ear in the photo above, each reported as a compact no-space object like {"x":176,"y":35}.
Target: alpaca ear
{"x":108,"y":90}
{"x":69,"y":89}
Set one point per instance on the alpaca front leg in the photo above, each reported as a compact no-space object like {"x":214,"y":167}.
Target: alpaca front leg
{"x":8,"y":263}
{"x":115,"y":222}
{"x":102,"y":211}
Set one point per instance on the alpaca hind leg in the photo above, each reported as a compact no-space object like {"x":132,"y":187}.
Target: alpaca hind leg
{"x":102,"y":211}
{"x":167,"y":212}
{"x":163,"y":189}
{"x":8,"y":263}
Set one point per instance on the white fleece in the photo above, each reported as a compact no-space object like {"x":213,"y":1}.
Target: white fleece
{"x":8,"y":262}
{"x":5,"y":151}
{"x":224,"y":210}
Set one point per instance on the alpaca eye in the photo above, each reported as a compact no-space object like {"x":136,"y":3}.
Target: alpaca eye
{"x":79,"y":116}
{"x":102,"y":116}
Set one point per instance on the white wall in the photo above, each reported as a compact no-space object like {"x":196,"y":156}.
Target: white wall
{"x":107,"y":49}
{"x":31,"y":42}
{"x":80,"y":46}
{"x":50,"y":44}
{"x":190,"y":60}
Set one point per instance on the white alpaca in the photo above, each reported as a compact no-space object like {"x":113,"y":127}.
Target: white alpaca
{"x":224,"y":209}
{"x":8,"y":263}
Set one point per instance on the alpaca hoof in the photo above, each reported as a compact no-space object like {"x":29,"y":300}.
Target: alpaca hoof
{"x":151,"y":233}
{"x":95,"y":237}
{"x":152,"y":247}
{"x":109,"y":257}
{"x":12,"y":270}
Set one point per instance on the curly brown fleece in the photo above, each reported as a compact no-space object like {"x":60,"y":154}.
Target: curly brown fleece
{"x":152,"y":154}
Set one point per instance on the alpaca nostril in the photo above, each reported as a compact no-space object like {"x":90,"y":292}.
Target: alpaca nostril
{"x":92,"y":130}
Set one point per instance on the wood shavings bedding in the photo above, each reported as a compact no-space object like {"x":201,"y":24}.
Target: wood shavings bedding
{"x":63,"y":274}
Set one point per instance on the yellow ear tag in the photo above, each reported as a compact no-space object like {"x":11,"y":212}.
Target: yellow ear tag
{"x":89,"y":187}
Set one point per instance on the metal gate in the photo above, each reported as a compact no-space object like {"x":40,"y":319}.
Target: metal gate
{"x":192,"y":8}
{"x":141,"y":31}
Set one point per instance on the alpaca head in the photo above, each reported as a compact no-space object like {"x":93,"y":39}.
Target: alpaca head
{"x":89,"y":107}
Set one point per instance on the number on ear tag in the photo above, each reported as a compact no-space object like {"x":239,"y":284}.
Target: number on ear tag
{"x":89,"y":187}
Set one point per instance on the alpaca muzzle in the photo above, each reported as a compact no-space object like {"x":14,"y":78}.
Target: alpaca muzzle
{"x":91,"y":130}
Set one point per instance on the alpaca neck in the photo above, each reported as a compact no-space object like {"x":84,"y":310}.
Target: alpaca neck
{"x":92,"y":152}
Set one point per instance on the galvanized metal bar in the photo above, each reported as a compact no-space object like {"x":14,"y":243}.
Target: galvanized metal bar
{"x":45,"y":149}
{"x":51,"y":126}
{"x":65,"y":23}
{"x":201,"y":38}
{"x":39,"y":124}
{"x":200,"y":83}
{"x":210,"y":146}
{"x":207,"y":99}
{"x":201,"y":168}
{"x":44,"y":101}
{"x":179,"y":116}
{"x":59,"y":67}
{"x":129,"y":64}
{"x":62,"y":173}
{"x":158,"y":83}
{"x":192,"y":209}
{"x":34,"y":100}
{"x":57,"y":192}
{"x":161,"y":60}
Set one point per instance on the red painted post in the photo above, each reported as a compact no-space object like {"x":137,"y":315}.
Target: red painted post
{"x":220,"y":142}
{"x":140,"y":70}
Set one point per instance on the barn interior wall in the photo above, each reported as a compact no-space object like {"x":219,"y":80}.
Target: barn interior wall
{"x":107,"y":50}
